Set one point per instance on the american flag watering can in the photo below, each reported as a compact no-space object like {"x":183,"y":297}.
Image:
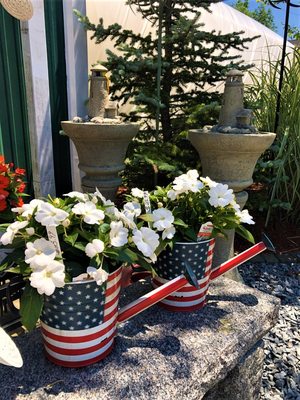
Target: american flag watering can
{"x":79,"y":321}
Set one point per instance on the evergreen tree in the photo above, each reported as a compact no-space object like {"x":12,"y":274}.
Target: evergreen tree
{"x":168,"y":72}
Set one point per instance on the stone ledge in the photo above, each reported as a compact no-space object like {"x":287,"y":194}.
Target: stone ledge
{"x":158,"y":355}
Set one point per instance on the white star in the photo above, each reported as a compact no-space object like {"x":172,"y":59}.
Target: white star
{"x":86,"y":326}
{"x":78,"y":303}
{"x":79,"y":313}
{"x":88,"y":286}
{"x":61,"y":292}
{"x":62,"y":303}
{"x":53,"y":296}
{"x":57,"y":326}
{"x":87,"y":306}
{"x":63,"y":322}
{"x":50,"y":319}
{"x":95,"y":310}
{"x":71,"y":308}
{"x":70,"y":298}
{"x":69,"y":287}
{"x":87,"y":317}
{"x":55,"y":306}
{"x":190,"y":251}
{"x":71,"y":318}
{"x":63,"y":313}
{"x":79,"y":323}
{"x":102,"y":303}
{"x":96,"y":289}
{"x":88,"y":296}
{"x":94,"y":319}
{"x":95,"y":300}
{"x":71,"y":328}
{"x":79,"y":292}
{"x":56,"y":316}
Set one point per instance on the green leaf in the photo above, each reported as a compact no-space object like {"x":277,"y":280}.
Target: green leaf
{"x":104,"y":228}
{"x":245,"y":234}
{"x":71,"y":238}
{"x":128,"y":256}
{"x":146,"y":217}
{"x":31,"y":307}
{"x":79,"y":246}
{"x":179,"y":222}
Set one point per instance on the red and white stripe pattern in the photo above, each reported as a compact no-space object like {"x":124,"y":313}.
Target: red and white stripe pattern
{"x":189,"y":298}
{"x":78,"y":348}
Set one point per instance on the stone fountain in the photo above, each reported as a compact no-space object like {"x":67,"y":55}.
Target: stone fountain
{"x":101,"y":139}
{"x":229,"y":152}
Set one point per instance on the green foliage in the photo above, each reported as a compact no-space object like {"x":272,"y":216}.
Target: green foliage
{"x":152,"y":163}
{"x":261,"y":14}
{"x":171,"y":74}
{"x":279,"y":168}
{"x":31,"y":307}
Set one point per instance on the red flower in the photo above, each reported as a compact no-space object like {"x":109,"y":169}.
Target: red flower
{"x":3,"y":194}
{"x":20,"y":171}
{"x":3,"y":168}
{"x":21,"y":187}
{"x":2,"y":160}
{"x":4,"y":181}
{"x":3,"y":205}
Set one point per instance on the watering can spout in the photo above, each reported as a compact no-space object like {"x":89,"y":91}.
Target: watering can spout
{"x":179,"y":282}
{"x":243,"y":257}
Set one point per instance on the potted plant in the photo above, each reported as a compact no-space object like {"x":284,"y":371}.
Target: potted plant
{"x":188,"y":214}
{"x":70,"y":251}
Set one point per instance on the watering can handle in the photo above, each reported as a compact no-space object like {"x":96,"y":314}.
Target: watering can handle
{"x":151,"y":298}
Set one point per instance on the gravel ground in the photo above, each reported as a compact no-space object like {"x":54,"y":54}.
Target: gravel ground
{"x":281,"y":376}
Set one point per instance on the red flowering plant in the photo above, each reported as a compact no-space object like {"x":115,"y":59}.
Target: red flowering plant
{"x":12,"y":187}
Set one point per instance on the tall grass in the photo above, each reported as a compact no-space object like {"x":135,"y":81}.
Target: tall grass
{"x":283,"y":161}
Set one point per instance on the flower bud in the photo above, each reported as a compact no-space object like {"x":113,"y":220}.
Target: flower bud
{"x":56,"y":202}
{"x":66,"y":223}
{"x":30,"y":231}
{"x":94,"y":200}
{"x":160,"y":205}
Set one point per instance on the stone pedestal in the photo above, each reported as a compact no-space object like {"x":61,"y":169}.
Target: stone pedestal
{"x":101,"y":151}
{"x":162,"y":355}
{"x":229,"y":159}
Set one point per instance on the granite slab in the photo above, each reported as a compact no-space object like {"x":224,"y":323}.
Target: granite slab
{"x":158,"y":354}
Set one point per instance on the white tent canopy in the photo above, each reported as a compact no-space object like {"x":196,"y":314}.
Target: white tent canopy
{"x":222,"y":18}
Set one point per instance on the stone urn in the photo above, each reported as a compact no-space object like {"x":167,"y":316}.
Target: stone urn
{"x":101,"y":140}
{"x":229,"y":151}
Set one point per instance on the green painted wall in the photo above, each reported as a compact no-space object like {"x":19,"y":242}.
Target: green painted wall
{"x":58,"y":93}
{"x":14,"y":133}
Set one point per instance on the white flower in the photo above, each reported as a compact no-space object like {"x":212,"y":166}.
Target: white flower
{"x":48,"y":277}
{"x":78,"y":195}
{"x":187,"y":183}
{"x":40,"y":251}
{"x":171,"y":195}
{"x":163,"y":219}
{"x":11,"y":231}
{"x":48,"y":215}
{"x":146,"y":240}
{"x":235,"y":206}
{"x":94,"y":248}
{"x":30,"y":231}
{"x":169,"y":233}
{"x":99,"y":275}
{"x":132,"y":209}
{"x":118,"y":234}
{"x":128,"y":220}
{"x":89,"y":211}
{"x":28,"y":209}
{"x":100,"y":195}
{"x":209,"y":182}
{"x":220,"y":195}
{"x":137,"y":193}
{"x":245,"y":217}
